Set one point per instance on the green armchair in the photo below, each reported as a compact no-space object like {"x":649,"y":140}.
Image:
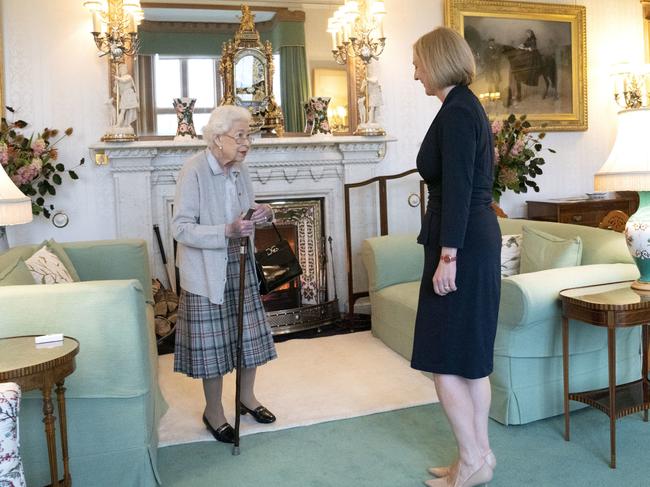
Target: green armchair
{"x":527,"y":378}
{"x":113,"y":400}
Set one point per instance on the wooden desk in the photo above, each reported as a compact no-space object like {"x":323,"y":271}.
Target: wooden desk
{"x":579,"y":212}
{"x":40,"y":367}
{"x":611,"y":306}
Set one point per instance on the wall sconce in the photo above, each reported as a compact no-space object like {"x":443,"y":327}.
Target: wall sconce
{"x":115,"y":31}
{"x":631,"y":83}
{"x":357,"y":30}
{"x":628,"y":166}
{"x":115,"y":26}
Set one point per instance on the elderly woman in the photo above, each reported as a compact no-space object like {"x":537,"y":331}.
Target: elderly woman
{"x":213,"y":193}
{"x":460,"y":288}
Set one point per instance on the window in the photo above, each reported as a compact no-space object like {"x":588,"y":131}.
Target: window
{"x":195,"y":77}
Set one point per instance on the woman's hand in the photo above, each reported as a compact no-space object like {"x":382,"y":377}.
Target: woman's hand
{"x":240,"y":228}
{"x":262,"y":214}
{"x":444,"y":279}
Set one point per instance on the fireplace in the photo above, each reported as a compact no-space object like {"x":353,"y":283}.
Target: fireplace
{"x":138,"y":182}
{"x":302,"y":303}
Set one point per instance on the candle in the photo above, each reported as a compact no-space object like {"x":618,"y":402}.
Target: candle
{"x":334,"y":46}
{"x":96,"y":23}
{"x":380,"y":26}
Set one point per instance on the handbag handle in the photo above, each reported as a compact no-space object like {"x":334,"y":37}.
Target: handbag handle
{"x":276,"y":231}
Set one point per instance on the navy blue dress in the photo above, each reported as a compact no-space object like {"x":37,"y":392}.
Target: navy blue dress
{"x":454,"y":334}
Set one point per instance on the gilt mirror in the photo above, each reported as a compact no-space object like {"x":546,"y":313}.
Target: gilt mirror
{"x":180,"y":52}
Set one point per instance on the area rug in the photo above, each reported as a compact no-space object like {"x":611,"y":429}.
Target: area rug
{"x":311,"y":381}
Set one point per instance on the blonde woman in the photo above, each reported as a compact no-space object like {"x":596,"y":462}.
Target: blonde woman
{"x":459,"y":293}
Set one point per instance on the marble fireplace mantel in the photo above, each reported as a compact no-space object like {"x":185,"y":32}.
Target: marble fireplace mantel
{"x":144,"y":177}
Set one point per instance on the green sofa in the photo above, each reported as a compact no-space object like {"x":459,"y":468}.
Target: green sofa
{"x":113,"y":401}
{"x":527,"y":380}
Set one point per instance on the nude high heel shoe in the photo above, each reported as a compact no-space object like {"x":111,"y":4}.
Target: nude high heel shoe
{"x":480,"y":477}
{"x":444,"y":471}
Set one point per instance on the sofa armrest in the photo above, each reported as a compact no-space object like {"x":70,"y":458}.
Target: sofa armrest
{"x":392,"y":259}
{"x":533,"y":297}
{"x":102,"y":260}
{"x":108,"y":318}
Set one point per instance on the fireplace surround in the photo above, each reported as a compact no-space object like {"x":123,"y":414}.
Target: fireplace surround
{"x":139,"y":183}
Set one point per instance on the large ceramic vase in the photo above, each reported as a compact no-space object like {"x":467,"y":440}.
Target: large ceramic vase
{"x":316,"y":115}
{"x":184,"y":110}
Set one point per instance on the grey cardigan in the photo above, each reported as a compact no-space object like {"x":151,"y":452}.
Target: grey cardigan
{"x":199,"y":223}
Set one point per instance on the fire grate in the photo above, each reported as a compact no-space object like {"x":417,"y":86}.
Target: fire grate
{"x":304,"y":318}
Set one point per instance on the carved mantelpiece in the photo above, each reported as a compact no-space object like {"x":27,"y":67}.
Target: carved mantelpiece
{"x":144,"y":176}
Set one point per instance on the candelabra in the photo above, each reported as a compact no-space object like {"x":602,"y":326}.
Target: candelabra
{"x":115,"y":31}
{"x":357,"y":31}
{"x":115,"y":26}
{"x":631,"y":86}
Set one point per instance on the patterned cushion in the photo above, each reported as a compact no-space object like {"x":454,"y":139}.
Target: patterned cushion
{"x":510,"y":254}
{"x":47,"y":268}
{"x":11,"y":467}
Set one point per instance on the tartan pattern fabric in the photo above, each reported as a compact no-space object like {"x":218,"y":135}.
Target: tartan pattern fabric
{"x":206,"y":333}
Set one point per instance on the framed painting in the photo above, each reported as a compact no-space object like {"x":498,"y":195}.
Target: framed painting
{"x":531,"y":58}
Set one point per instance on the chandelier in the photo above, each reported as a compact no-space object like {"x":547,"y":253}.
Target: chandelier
{"x":357,"y":30}
{"x":115,"y":26}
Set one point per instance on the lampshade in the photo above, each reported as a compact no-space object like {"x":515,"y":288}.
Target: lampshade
{"x":15,"y":207}
{"x":628,"y":166}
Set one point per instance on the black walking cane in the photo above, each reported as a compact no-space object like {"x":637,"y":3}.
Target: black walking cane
{"x":243,"y":246}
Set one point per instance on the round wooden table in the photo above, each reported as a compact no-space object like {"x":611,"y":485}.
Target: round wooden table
{"x":42,"y":366}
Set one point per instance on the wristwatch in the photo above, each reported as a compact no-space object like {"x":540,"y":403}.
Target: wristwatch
{"x":446,"y":258}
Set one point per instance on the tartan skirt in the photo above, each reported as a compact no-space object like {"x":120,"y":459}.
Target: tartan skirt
{"x":206,"y":333}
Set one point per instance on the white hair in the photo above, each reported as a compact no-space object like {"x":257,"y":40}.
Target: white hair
{"x":221,"y":121}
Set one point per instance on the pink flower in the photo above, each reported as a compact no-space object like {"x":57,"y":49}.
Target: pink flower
{"x":517,"y":147}
{"x":496,"y":154}
{"x":497,"y":125}
{"x":38,"y":147}
{"x":37,"y":164}
{"x":4,"y":154}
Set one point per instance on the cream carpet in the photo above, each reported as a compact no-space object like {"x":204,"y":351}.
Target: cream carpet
{"x":311,"y":381}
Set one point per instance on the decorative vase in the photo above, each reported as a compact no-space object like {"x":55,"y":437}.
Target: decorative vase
{"x":184,"y":107}
{"x":316,"y":115}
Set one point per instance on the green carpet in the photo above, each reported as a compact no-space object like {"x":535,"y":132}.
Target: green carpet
{"x":394,"y":449}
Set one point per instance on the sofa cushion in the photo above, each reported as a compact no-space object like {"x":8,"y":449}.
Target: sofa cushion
{"x":47,"y":268}
{"x":510,"y":254}
{"x":541,"y":251}
{"x":17,"y":274}
{"x":57,"y":249}
{"x":598,"y":246}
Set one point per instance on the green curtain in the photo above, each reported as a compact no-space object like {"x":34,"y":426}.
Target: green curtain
{"x":295,"y":86}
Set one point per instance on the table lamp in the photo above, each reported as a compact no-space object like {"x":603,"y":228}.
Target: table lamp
{"x":15,"y":207}
{"x":628,"y":166}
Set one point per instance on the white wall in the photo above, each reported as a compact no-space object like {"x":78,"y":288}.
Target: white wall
{"x":54,"y":78}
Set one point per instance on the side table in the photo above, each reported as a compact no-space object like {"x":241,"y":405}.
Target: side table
{"x":34,"y":366}
{"x":614,"y":305}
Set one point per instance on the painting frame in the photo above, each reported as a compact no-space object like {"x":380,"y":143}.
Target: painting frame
{"x":460,"y":13}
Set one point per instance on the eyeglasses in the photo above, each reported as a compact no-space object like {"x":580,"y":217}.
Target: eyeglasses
{"x":240,"y":139}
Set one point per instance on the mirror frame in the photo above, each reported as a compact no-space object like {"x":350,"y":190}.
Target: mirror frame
{"x":355,"y":69}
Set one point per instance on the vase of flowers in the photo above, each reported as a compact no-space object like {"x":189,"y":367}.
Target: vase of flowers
{"x":517,"y":158}
{"x":31,"y":162}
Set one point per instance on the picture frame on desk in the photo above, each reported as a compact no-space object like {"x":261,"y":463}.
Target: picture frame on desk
{"x":531,"y":58}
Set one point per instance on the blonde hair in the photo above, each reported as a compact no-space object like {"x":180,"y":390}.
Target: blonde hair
{"x":221,"y":121}
{"x":445,"y":57}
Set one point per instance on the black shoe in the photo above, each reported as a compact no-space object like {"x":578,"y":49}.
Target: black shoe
{"x":224,"y":433}
{"x":261,"y":414}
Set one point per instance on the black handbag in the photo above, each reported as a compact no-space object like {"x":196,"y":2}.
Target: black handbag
{"x":276,"y":265}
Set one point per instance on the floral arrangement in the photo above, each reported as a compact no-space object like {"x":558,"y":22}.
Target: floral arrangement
{"x":516,"y":156}
{"x":31,"y":162}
